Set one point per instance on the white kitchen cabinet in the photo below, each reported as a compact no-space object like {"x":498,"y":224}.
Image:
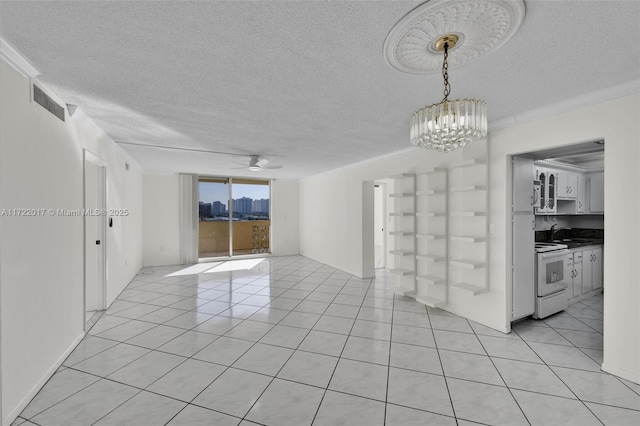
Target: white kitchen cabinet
{"x":547,"y":202}
{"x":581,"y":199}
{"x":574,"y":277}
{"x":524,"y":197}
{"x":596,"y":193}
{"x":523,"y":270}
{"x":592,"y":275}
{"x":566,"y":186}
{"x":583,"y":272}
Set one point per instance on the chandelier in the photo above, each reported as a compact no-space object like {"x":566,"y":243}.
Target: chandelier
{"x":474,"y":28}
{"x":448,"y":125}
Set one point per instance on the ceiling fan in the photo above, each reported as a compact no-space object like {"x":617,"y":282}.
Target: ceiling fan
{"x":257,"y":164}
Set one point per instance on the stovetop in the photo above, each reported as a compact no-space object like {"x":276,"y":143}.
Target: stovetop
{"x":545,"y":247}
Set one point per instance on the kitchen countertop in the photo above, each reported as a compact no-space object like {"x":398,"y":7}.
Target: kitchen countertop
{"x":573,"y":238}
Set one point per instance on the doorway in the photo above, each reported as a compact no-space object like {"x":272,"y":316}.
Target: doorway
{"x":558,"y":202}
{"x":95,"y":191}
{"x":379,"y":223}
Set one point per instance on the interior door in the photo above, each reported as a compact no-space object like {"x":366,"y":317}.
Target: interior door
{"x":94,"y":232}
{"x":379,"y":239}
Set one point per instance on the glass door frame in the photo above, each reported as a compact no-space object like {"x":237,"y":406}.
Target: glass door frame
{"x":230,"y":255}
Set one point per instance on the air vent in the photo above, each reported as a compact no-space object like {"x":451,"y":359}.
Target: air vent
{"x":49,"y":104}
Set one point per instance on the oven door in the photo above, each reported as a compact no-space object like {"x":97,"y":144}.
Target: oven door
{"x":551,"y":272}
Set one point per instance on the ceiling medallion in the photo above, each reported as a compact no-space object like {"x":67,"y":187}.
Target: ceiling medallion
{"x":481,"y":26}
{"x":416,"y":44}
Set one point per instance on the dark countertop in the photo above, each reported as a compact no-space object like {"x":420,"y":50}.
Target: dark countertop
{"x":573,"y":238}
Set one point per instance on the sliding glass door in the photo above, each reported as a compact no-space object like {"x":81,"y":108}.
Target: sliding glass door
{"x":233,"y":217}
{"x":213,"y":211}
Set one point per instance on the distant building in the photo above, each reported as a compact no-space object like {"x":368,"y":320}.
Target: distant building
{"x":243,"y":205}
{"x":261,"y":206}
{"x":204,"y":209}
{"x":218,"y":208}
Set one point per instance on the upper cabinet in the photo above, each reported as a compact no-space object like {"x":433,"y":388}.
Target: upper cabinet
{"x":596,"y":193}
{"x":565,"y":192}
{"x":525,"y":197}
{"x":547,"y":201}
{"x":567,"y":185}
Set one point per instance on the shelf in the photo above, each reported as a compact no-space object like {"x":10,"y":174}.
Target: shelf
{"x":401,"y":233}
{"x":465,"y":239}
{"x":400,"y":271}
{"x":431,"y":258}
{"x":467,"y":163}
{"x":401,"y":195}
{"x":409,"y":292}
{"x":431,"y":192}
{"x":401,"y":252}
{"x":431,"y":236}
{"x":432,"y":171}
{"x":468,"y":264}
{"x":403,"y":214}
{"x":469,"y":214}
{"x":468,"y":188}
{"x":402,"y":176}
{"x":469,"y":287}
{"x":431,"y":279}
{"x":430,"y":214}
{"x":431,"y":302}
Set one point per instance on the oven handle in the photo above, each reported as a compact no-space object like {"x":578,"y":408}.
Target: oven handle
{"x":556,"y":253}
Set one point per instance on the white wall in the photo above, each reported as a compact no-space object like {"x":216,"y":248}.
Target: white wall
{"x":161,"y":225}
{"x":285,"y":217}
{"x":331,"y":213}
{"x":331,"y":207}
{"x":41,"y":278}
{"x":617,"y":122}
{"x":162,"y":219}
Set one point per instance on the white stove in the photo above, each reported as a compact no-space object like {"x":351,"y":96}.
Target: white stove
{"x":551,"y":284}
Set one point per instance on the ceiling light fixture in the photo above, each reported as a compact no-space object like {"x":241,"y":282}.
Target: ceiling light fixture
{"x":448,"y":125}
{"x":416,"y":45}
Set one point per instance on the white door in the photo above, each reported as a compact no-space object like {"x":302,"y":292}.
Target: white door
{"x":94,"y":231}
{"x":523,"y":195}
{"x":524,"y":286}
{"x":379,"y":226}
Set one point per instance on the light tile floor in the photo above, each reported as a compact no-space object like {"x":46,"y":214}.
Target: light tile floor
{"x":295,"y":342}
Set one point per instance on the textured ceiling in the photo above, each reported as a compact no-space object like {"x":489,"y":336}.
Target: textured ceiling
{"x":302,"y":83}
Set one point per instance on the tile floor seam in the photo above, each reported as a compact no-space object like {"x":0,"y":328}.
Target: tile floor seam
{"x":272,"y":377}
{"x":335,"y":367}
{"x":444,"y":374}
{"x":502,"y":378}
{"x":564,"y":383}
{"x":386,"y":396}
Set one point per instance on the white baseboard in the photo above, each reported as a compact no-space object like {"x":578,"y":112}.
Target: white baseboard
{"x":32,"y":393}
{"x":632,"y":376}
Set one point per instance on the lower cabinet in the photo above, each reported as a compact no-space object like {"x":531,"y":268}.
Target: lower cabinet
{"x":584,"y":272}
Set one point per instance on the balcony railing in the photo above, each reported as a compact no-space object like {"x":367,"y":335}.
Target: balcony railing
{"x":249,"y":237}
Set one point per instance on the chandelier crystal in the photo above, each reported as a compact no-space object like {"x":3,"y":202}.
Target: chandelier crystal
{"x":448,"y":125}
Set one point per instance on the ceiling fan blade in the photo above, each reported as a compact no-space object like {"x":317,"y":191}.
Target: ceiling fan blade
{"x":262,"y":162}
{"x":271,"y":167}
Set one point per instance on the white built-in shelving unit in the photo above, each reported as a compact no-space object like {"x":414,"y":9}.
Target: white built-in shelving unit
{"x":440,"y":232}
{"x":431,"y":245}
{"x":404,"y":232}
{"x":468,"y":226}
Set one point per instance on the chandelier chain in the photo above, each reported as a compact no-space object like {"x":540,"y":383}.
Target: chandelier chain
{"x":445,"y":72}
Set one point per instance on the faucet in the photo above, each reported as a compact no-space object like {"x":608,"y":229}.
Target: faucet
{"x":554,"y":231}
